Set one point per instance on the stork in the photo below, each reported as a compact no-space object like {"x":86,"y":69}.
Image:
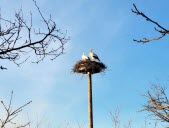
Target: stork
{"x":93,"y":56}
{"x":84,"y":57}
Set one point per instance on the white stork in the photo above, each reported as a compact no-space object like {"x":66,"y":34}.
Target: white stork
{"x":93,"y":56}
{"x":84,"y":57}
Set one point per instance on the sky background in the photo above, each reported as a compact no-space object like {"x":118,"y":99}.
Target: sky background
{"x":108,"y":27}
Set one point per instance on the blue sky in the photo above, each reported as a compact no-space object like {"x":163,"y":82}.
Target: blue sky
{"x":108,"y":27}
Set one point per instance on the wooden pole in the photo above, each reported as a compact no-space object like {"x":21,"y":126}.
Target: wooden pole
{"x":90,"y":107}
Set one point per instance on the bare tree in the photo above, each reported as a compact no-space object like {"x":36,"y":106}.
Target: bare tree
{"x":35,"y":43}
{"x":157,"y":104}
{"x":158,"y":27}
{"x":9,"y":117}
{"x":116,"y":120}
{"x":11,"y":114}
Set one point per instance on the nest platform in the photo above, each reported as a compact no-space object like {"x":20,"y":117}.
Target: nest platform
{"x":85,"y":66}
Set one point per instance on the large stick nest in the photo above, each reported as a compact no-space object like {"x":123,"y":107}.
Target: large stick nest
{"x":85,"y":66}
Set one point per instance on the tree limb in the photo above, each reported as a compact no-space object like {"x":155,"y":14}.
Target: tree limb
{"x":161,"y":30}
{"x":18,"y":49}
{"x":157,"y":104}
{"x":12,"y":114}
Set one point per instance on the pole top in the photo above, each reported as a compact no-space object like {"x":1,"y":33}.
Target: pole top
{"x":88,"y":66}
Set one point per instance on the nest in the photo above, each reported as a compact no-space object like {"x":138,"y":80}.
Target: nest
{"x":85,"y":66}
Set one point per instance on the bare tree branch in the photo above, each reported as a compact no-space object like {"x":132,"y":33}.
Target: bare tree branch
{"x":12,"y":114}
{"x":16,"y":48}
{"x":116,"y":121}
{"x":157,"y":105}
{"x":160,"y":29}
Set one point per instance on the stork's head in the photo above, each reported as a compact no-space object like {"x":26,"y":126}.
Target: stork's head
{"x":91,"y":50}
